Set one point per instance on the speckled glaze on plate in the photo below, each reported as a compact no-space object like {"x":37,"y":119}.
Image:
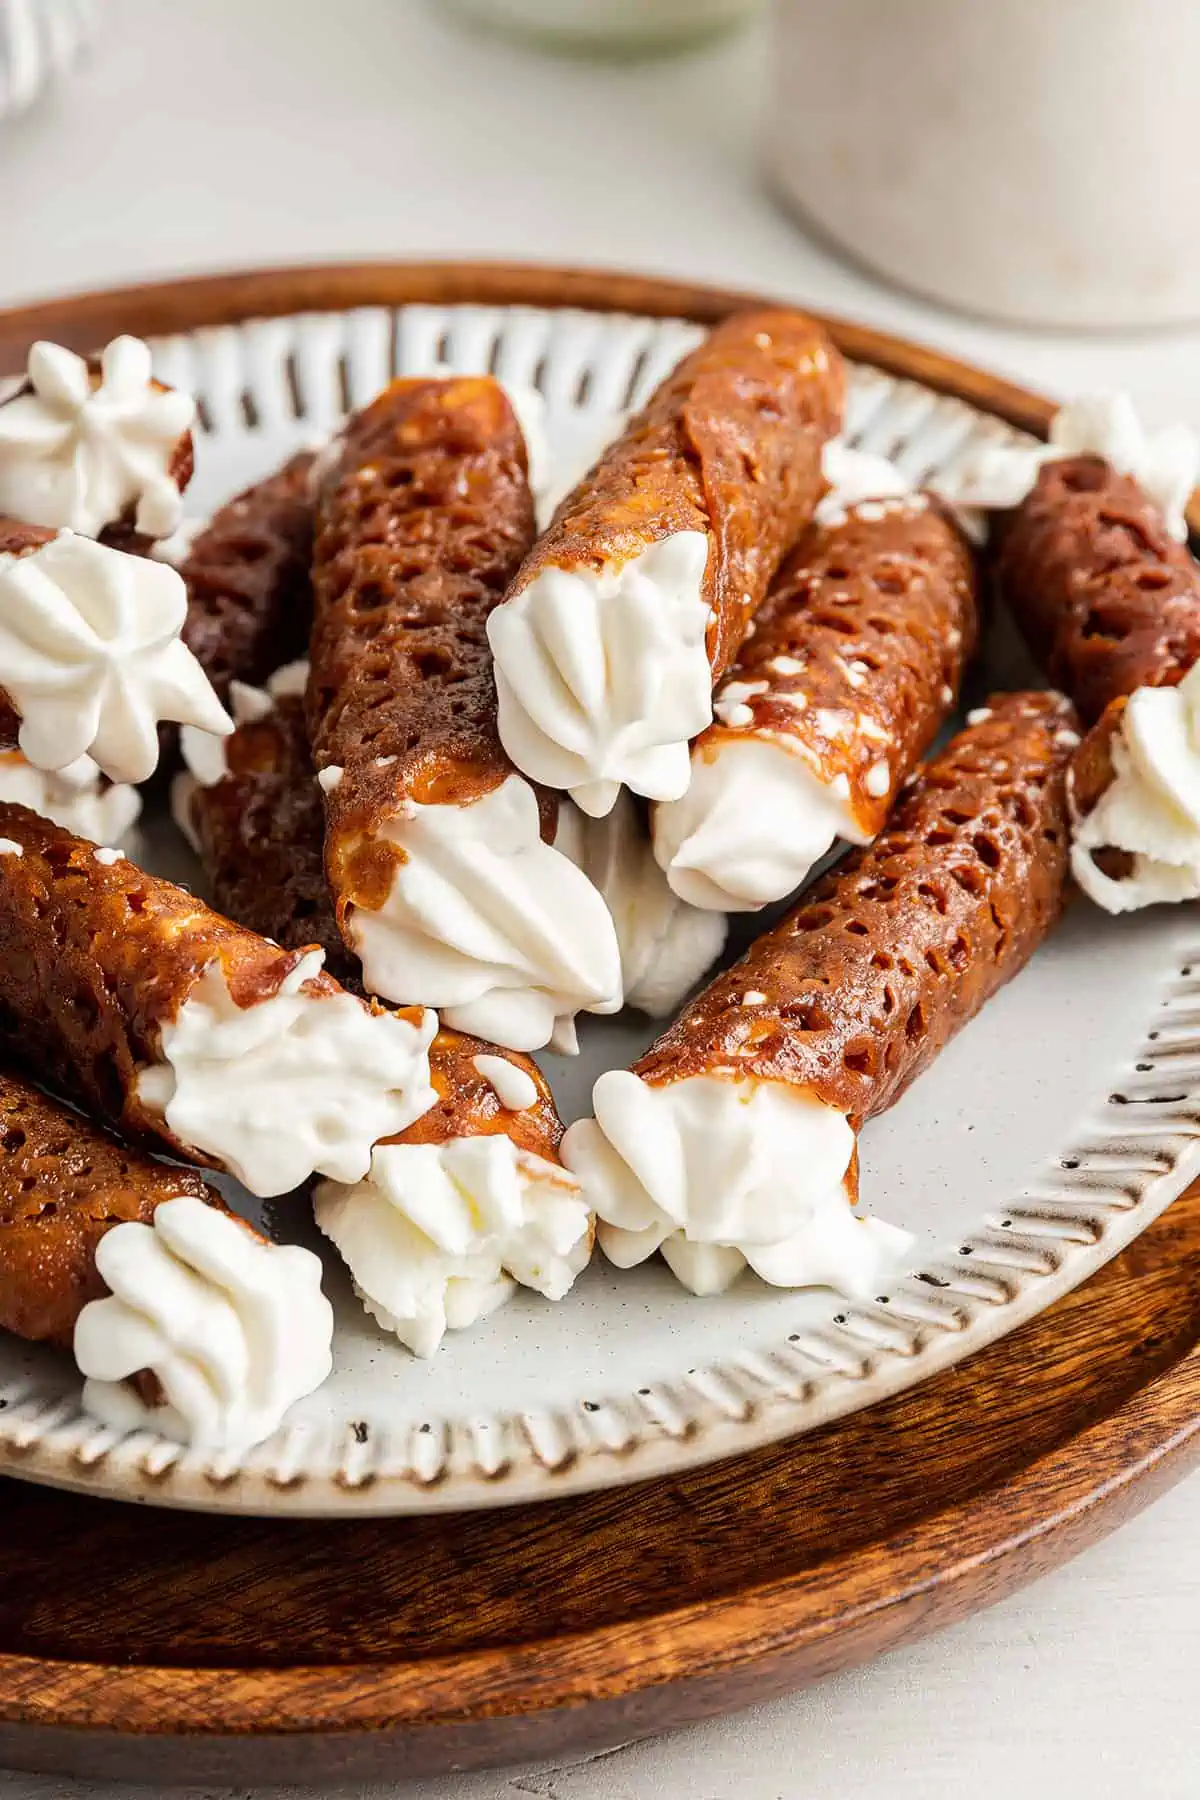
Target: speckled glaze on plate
{"x":1051,"y":1132}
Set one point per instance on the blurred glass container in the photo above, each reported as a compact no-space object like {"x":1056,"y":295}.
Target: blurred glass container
{"x":1032,"y":160}
{"x":40,"y":40}
{"x":613,"y":27}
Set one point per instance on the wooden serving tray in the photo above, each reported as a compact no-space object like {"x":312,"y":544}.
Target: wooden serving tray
{"x":284,"y":1651}
{"x":311,"y":1652}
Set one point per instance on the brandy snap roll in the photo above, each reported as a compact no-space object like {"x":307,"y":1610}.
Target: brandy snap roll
{"x":855,"y":661}
{"x":440,"y":856}
{"x":91,"y":654}
{"x":1109,"y":601}
{"x":473,"y":1197}
{"x":247,"y":574}
{"x":187,"y":1031}
{"x":89,"y":445}
{"x":182,"y":1317}
{"x":734,"y":1139}
{"x":636,"y":598}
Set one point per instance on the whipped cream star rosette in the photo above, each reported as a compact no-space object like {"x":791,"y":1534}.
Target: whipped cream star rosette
{"x":440,"y":856}
{"x":1165,"y":464}
{"x":1109,"y":601}
{"x":467,"y":1204}
{"x":187,"y":1031}
{"x":733,"y":1141}
{"x":182,"y":1317}
{"x":89,"y":445}
{"x":854,"y":662}
{"x":638,"y":594}
{"x":91,"y":657}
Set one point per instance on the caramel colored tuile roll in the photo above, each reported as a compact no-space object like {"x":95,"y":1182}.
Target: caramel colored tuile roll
{"x":440,"y":857}
{"x":637,"y":597}
{"x":188,"y":1031}
{"x":734,"y":1138}
{"x":259,"y":831}
{"x":896,"y":949}
{"x":248,"y":580}
{"x":855,"y":661}
{"x":1106,"y":597}
{"x":64,"y":1183}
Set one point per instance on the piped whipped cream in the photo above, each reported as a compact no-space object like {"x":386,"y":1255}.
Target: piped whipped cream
{"x":603,"y":676}
{"x":92,"y":657}
{"x":438,"y":1233}
{"x":233,"y":1328}
{"x":78,"y":453}
{"x":754,"y":821}
{"x":854,"y":476}
{"x":497,"y":929}
{"x":1151,"y":808}
{"x":1164,"y":463}
{"x":719,"y":1173}
{"x":666,"y":945}
{"x":77,"y":797}
{"x":301,"y":1082}
{"x":178,"y":547}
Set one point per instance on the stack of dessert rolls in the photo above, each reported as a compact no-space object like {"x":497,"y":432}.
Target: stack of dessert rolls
{"x":456,"y":783}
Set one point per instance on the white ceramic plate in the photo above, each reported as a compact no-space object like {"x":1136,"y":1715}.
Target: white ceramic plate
{"x":1051,"y":1132}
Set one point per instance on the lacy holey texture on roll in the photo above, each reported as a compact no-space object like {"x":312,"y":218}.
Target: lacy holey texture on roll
{"x":854,"y":662}
{"x":89,"y":445}
{"x":638,"y":595}
{"x":734,"y":1139}
{"x":1110,"y":603}
{"x":186,"y":1030}
{"x":248,"y":580}
{"x":439,"y":855}
{"x":181,"y":1316}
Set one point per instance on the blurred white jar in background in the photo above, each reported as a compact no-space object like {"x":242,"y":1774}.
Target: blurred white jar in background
{"x":1033,"y":160}
{"x":613,"y":25}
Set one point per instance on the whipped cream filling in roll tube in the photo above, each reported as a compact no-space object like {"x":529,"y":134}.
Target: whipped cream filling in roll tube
{"x":91,"y":654}
{"x":1109,"y":601}
{"x":440,"y":856}
{"x":187,"y":1031}
{"x":666,"y":945}
{"x":88,"y":445}
{"x":855,"y":661}
{"x":467,"y":1204}
{"x":247,"y":573}
{"x":182,"y":1317}
{"x":636,"y":598}
{"x":733,"y":1141}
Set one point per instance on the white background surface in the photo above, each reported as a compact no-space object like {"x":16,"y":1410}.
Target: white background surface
{"x":218,"y":133}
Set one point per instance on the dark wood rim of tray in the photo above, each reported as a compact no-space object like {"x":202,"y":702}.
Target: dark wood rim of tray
{"x":314,"y":1650}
